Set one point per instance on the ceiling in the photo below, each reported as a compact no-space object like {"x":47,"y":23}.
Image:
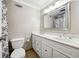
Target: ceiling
{"x":38,"y":4}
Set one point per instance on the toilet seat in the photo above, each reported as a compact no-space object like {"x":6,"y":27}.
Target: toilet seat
{"x":18,"y":53}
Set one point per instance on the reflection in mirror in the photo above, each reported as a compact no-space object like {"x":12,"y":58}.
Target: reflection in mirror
{"x":58,"y":19}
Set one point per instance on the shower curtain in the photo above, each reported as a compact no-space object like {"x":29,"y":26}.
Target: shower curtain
{"x":5,"y":52}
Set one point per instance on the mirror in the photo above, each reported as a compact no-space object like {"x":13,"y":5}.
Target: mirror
{"x":58,"y":18}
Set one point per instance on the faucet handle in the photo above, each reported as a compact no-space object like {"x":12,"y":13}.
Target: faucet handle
{"x":69,"y":38}
{"x":63,"y":34}
{"x":60,"y":36}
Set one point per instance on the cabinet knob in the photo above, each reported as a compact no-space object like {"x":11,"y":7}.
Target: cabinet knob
{"x":37,"y":44}
{"x":46,"y":50}
{"x":37,"y":51}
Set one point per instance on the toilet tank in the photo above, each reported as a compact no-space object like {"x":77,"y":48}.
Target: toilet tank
{"x":17,"y":43}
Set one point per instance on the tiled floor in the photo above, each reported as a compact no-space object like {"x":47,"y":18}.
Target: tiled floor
{"x":31,"y":54}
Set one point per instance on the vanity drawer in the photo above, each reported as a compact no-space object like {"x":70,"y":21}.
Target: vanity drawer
{"x":47,"y":51}
{"x":38,"y":38}
{"x":65,"y":49}
{"x":34,"y":36}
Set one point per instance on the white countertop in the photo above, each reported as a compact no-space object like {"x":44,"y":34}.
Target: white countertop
{"x":74,"y":42}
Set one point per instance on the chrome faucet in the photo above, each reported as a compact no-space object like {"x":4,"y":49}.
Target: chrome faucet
{"x":63,"y":34}
{"x":66,"y":37}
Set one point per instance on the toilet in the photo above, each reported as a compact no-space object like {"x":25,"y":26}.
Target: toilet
{"x":17,"y":44}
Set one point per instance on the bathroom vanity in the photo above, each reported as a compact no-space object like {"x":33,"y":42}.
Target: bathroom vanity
{"x":58,"y":18}
{"x":51,"y":46}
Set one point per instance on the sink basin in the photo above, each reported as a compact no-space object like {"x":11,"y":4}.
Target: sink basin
{"x":75,"y":40}
{"x":49,"y":35}
{"x":67,"y":40}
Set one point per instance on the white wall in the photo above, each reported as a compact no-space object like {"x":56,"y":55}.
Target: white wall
{"x":75,"y":16}
{"x":22,"y":21}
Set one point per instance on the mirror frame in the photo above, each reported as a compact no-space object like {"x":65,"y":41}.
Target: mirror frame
{"x":68,"y":18}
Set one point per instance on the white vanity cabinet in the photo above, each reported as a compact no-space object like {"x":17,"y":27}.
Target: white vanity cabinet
{"x":66,"y":50}
{"x":38,"y":46}
{"x":47,"y":51}
{"x":36,"y":43}
{"x":52,"y":52}
{"x":57,"y":54}
{"x":47,"y":48}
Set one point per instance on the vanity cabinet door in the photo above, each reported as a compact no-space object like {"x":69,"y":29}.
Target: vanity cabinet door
{"x":46,"y":51}
{"x":38,"y":47}
{"x":57,"y":54}
{"x":34,"y":42}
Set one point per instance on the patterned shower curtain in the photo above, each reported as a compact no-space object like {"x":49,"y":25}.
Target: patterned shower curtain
{"x":5,"y":52}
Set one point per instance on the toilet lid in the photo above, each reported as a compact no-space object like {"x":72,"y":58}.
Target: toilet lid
{"x":18,"y":53}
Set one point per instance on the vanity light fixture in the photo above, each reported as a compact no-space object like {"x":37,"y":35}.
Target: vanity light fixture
{"x":48,"y":9}
{"x":57,"y":4}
